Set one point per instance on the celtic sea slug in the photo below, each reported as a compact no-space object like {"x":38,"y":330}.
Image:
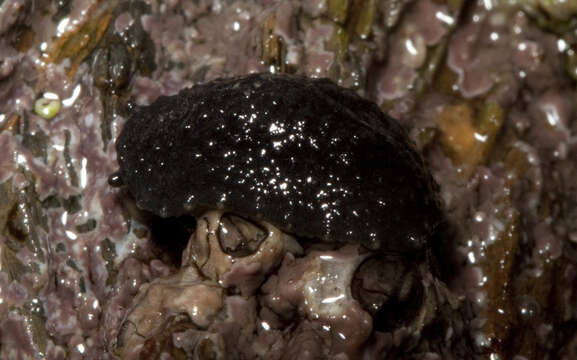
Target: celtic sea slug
{"x":310,"y":157}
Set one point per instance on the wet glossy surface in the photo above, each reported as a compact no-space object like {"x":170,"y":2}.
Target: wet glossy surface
{"x":314,"y":159}
{"x":73,"y":261}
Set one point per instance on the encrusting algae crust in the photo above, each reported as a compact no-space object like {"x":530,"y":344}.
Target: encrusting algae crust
{"x":486,"y":89}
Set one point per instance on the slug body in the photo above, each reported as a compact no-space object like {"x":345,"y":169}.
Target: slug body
{"x":306,"y":155}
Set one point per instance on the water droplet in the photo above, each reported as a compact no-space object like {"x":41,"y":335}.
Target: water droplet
{"x":528,"y":309}
{"x":115,"y":180}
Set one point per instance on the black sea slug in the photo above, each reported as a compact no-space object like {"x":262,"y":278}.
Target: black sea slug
{"x":306,"y":155}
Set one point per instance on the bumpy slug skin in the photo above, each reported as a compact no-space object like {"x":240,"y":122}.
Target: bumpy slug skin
{"x":310,"y":157}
